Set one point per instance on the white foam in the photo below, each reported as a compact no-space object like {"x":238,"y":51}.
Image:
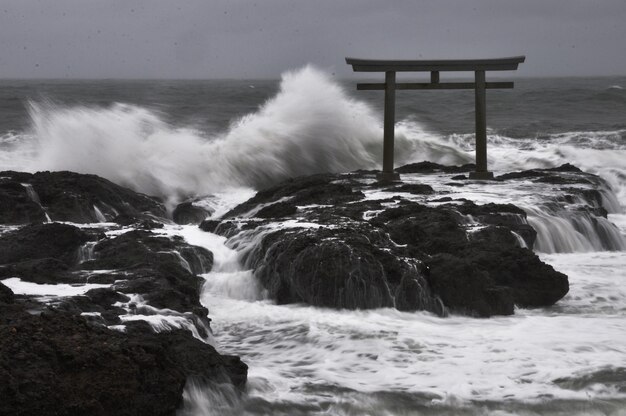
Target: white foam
{"x":310,"y":126}
{"x":162,"y":319}
{"x":20,"y":287}
{"x":99,"y":215}
{"x":219,"y":203}
{"x":296,"y":352}
{"x":597,"y":281}
{"x":386,"y":350}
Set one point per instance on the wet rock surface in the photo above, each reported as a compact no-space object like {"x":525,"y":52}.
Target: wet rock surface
{"x":188,"y":213}
{"x":330,"y":240}
{"x":341,"y":268}
{"x":42,"y":241}
{"x":126,"y":347}
{"x":319,"y":240}
{"x":69,"y":196}
{"x":56,"y":363}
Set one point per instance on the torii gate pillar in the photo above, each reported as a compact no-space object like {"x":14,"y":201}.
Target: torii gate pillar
{"x":478,"y":66}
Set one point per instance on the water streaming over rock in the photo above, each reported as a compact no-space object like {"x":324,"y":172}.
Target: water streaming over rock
{"x":307,"y":360}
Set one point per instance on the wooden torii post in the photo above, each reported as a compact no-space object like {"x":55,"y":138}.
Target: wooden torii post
{"x":478,"y":66}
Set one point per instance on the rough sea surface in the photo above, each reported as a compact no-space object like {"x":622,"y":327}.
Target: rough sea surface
{"x":221,"y":140}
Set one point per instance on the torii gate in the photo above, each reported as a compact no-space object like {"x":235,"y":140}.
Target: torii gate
{"x":478,"y":66}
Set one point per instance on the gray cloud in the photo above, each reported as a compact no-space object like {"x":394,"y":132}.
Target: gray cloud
{"x":262,"y":38}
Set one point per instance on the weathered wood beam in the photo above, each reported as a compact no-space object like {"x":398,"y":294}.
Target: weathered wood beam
{"x":382,"y":65}
{"x":433,"y":86}
{"x":389,"y":125}
{"x":481,"y":128}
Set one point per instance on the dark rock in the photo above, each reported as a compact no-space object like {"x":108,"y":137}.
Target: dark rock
{"x":53,"y":361}
{"x":489,"y":279}
{"x":16,"y":205}
{"x":532,"y":282}
{"x":593,"y":197}
{"x":561,"y":180}
{"x":430,"y":167}
{"x":68,"y":196}
{"x":564,"y":174}
{"x":394,"y":252}
{"x":161,"y":269}
{"x":164,"y":285}
{"x":209,"y":225}
{"x":614,"y":377}
{"x":40,"y":241}
{"x":6,"y":294}
{"x":340,"y":268}
{"x":187,"y":213}
{"x":413,"y":188}
{"x":465,"y":289}
{"x":225,"y":228}
{"x":431,"y":230}
{"x":485,"y":210}
{"x":141,"y":222}
{"x":498,"y":236}
{"x":58,"y":364}
{"x":502,"y":215}
{"x":76,"y":305}
{"x":277,"y":210}
{"x":323,"y":189}
{"x":199,"y":259}
{"x":565,"y":168}
{"x":579,"y":201}
{"x":139,"y":247}
{"x":106,"y":297}
{"x":40,"y":271}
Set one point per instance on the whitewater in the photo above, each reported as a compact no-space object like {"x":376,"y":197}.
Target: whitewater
{"x":568,"y":359}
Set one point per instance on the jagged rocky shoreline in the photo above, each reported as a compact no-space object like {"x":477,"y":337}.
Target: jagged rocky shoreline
{"x":330,"y":240}
{"x":85,"y":354}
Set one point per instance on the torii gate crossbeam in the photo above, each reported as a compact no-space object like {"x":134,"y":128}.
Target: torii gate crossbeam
{"x":478,"y":66}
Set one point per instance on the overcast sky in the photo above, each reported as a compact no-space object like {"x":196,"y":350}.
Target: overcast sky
{"x":262,"y":38}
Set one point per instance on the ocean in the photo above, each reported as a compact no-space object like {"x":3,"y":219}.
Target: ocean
{"x":223,"y":139}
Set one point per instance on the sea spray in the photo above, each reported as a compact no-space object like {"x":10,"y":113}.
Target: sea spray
{"x":310,"y":126}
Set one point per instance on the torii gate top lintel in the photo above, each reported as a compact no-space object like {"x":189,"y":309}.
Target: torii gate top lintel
{"x":379,"y":65}
{"x":478,"y":66}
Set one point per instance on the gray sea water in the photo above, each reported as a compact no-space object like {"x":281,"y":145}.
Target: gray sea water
{"x":222,"y":140}
{"x":535,"y":107}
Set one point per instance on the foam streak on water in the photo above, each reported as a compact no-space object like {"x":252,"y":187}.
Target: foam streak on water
{"x":314,"y":360}
{"x":306,"y":356}
{"x":306,"y":360}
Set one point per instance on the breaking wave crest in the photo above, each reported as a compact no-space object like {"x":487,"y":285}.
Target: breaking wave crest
{"x":310,"y":126}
